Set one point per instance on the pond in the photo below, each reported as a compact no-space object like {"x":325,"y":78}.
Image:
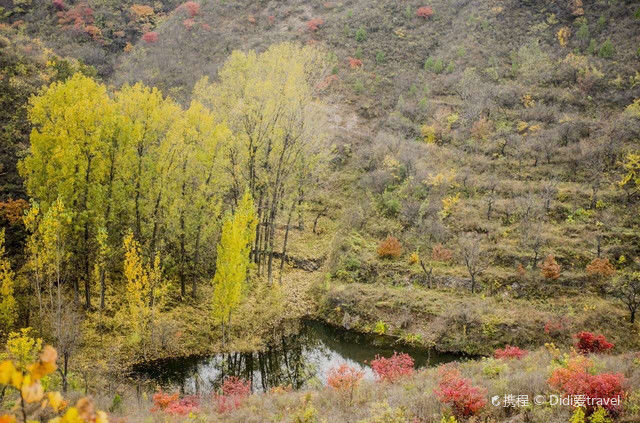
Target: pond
{"x":303,"y":358}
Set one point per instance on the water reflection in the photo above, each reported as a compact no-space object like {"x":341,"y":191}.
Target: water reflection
{"x":294,"y":360}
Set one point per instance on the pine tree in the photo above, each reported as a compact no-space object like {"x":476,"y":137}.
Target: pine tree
{"x":233,"y":261}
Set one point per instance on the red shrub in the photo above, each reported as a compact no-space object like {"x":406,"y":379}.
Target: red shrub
{"x":510,"y":352}
{"x":171,"y":404}
{"x":234,"y":391}
{"x":425,"y":12}
{"x":314,"y":24}
{"x":553,"y":327}
{"x":188,"y":23}
{"x":191,"y":7}
{"x":150,"y":37}
{"x":575,"y":379}
{"x":392,"y":368}
{"x":344,"y":377}
{"x":588,"y":343}
{"x":464,"y":399}
{"x":59,"y":4}
{"x":355,"y":63}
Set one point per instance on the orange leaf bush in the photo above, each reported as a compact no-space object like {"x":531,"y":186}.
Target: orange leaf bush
{"x":390,"y":248}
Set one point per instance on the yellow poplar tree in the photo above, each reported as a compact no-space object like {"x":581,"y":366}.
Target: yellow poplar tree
{"x":143,"y":284}
{"x":7,"y":301}
{"x":233,"y":261}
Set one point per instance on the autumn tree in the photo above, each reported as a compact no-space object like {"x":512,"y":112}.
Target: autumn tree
{"x":144,"y":287}
{"x":195,"y":189}
{"x":68,"y":161}
{"x":473,"y":256}
{"x":233,"y":260}
{"x":600,"y":269}
{"x":269,"y":102}
{"x":627,"y":289}
{"x":7,"y":301}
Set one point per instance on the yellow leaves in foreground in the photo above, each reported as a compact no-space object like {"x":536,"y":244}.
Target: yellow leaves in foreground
{"x":27,"y":383}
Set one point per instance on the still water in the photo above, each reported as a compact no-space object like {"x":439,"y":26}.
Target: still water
{"x":303,"y":358}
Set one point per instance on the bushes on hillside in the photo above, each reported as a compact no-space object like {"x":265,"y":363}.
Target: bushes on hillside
{"x":588,"y":343}
{"x":173,"y":405}
{"x":392,"y":368}
{"x":458,"y":393}
{"x":575,"y":378}
{"x":549,"y":268}
{"x":314,"y":24}
{"x":150,"y":37}
{"x":191,"y":7}
{"x":424,"y":12}
{"x":510,"y":352}
{"x":390,"y":248}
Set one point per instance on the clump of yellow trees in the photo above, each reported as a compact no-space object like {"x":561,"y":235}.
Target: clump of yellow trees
{"x":136,"y":198}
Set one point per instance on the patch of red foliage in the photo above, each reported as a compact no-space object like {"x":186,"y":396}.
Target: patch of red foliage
{"x":150,"y":37}
{"x":272,"y":19}
{"x":251,"y":19}
{"x":324,"y":84}
{"x":392,"y":368}
{"x":59,"y":4}
{"x":188,"y":23}
{"x":554,"y":327}
{"x":355,"y":63}
{"x":173,"y":405}
{"x":589,"y":343}
{"x":457,"y":392}
{"x":344,"y":377}
{"x":314,"y":24}
{"x":510,"y":352}
{"x":233,"y":392}
{"x":575,"y":379}
{"x":424,"y":12}
{"x":191,"y":7}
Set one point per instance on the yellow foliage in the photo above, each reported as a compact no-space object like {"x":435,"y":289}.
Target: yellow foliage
{"x":7,"y":301}
{"x":563,"y":36}
{"x":633,"y":109}
{"x":631,"y":166}
{"x":428,"y":133}
{"x":448,"y":203}
{"x":528,"y":101}
{"x":233,"y":262}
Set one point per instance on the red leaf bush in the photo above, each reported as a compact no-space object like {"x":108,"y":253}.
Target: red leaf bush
{"x":457,"y":392}
{"x":425,"y":12}
{"x":575,"y":379}
{"x":150,"y":37}
{"x":588,"y":343}
{"x":59,"y":4}
{"x":173,"y":405}
{"x":510,"y":352}
{"x":191,"y":7}
{"x":392,"y":368}
{"x":234,"y":391}
{"x":344,"y":377}
{"x":355,"y":63}
{"x":314,"y":24}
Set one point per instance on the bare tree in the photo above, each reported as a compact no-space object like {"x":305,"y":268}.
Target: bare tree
{"x":627,"y":289}
{"x":473,"y":256}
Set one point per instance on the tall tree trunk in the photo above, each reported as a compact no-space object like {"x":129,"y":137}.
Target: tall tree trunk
{"x":286,"y":238}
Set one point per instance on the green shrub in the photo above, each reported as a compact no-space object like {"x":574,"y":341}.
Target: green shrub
{"x":583,"y":31}
{"x":361,"y":34}
{"x":380,"y":57}
{"x":358,"y":86}
{"x":593,"y":46}
{"x":606,"y":50}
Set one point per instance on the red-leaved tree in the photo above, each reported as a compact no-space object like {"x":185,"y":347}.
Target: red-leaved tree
{"x":150,"y":37}
{"x":392,"y":368}
{"x":314,"y":24}
{"x":458,"y":393}
{"x":173,"y":405}
{"x":589,"y":343}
